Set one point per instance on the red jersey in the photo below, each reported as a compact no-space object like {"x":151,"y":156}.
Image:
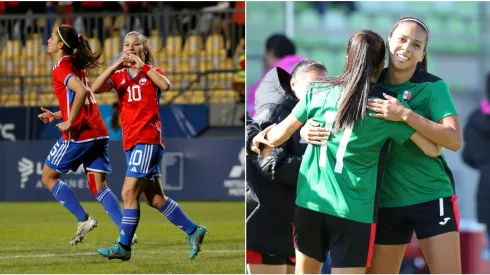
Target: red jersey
{"x":88,"y":125}
{"x":138,"y":99}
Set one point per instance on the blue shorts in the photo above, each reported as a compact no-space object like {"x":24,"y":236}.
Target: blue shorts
{"x":67,"y":155}
{"x":144,"y":160}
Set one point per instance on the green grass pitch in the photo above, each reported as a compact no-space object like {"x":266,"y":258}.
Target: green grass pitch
{"x":34,"y":238}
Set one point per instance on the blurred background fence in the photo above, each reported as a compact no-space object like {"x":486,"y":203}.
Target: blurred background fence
{"x":458,"y":52}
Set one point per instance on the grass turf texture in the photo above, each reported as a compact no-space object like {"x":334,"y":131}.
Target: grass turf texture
{"x":34,"y":238}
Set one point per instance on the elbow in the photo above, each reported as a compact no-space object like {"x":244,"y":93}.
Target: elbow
{"x":455,"y":145}
{"x":456,"y":142}
{"x":96,"y":91}
{"x":166,"y":86}
{"x":96,"y":88}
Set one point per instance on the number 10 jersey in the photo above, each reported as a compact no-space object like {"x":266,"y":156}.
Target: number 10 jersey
{"x":138,"y":98}
{"x":342,"y":177}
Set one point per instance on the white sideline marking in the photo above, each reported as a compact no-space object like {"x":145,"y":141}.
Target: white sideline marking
{"x":95,"y":253}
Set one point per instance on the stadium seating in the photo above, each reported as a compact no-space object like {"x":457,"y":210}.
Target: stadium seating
{"x":26,"y":70}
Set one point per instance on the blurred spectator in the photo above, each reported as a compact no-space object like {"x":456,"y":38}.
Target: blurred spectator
{"x":111,"y":7}
{"x":279,"y":52}
{"x":36,"y":8}
{"x":234,"y":27}
{"x":163,"y":23}
{"x":113,"y":123}
{"x":93,"y":25}
{"x":212,"y":19}
{"x":16,"y":8}
{"x":322,"y":6}
{"x":64,"y":9}
{"x":137,"y":9}
{"x":476,"y":153}
{"x":187,"y":21}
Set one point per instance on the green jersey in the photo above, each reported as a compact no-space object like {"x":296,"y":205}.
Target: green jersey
{"x":341,"y":177}
{"x":412,"y":177}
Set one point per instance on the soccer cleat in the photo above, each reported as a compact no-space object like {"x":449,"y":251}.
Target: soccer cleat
{"x":115,"y":252}
{"x":135,"y":240}
{"x":83,"y":229}
{"x":195,"y":240}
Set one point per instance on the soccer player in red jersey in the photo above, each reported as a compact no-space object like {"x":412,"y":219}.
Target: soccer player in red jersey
{"x":139,"y":85}
{"x":84,"y":137}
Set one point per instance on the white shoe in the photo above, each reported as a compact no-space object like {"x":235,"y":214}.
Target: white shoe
{"x":83,"y":229}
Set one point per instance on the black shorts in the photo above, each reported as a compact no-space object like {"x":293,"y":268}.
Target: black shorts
{"x":254,"y":257}
{"x":397,"y":224}
{"x":350,"y":243}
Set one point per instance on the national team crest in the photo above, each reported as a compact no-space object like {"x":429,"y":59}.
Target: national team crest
{"x":407,"y":95}
{"x":142,"y":81}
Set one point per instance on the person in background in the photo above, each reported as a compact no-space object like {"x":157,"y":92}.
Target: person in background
{"x":279,"y":52}
{"x":273,"y":179}
{"x":137,"y":9}
{"x":476,"y":153}
{"x":93,"y":23}
{"x":113,"y":123}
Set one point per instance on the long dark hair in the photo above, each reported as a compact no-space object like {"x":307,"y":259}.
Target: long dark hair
{"x":423,"y":64}
{"x":365,"y":54}
{"x":148,"y":58}
{"x":78,"y":48}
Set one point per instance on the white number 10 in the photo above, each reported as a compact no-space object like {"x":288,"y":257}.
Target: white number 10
{"x":134,"y":93}
{"x":339,"y":164}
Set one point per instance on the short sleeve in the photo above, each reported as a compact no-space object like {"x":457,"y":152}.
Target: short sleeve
{"x":300,"y":111}
{"x":399,"y":131}
{"x":440,"y":103}
{"x":115,"y":78}
{"x":63,"y":73}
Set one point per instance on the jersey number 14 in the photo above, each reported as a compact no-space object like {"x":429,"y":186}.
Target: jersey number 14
{"x":339,"y":163}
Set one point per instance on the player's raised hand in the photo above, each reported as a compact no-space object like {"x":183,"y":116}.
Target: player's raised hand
{"x":122,"y":62}
{"x":312,"y":133}
{"x":64,"y":126}
{"x":260,"y":138}
{"x":135,"y":61}
{"x":47,"y":116}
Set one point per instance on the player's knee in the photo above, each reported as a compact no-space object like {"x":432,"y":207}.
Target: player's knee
{"x":129,"y":194}
{"x":49,"y":177}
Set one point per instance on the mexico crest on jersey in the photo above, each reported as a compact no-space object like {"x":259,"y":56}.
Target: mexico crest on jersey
{"x":142,"y":81}
{"x":407,"y":95}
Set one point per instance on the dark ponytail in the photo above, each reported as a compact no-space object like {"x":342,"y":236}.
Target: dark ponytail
{"x":78,"y":48}
{"x":365,"y":54}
